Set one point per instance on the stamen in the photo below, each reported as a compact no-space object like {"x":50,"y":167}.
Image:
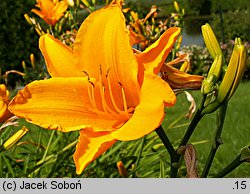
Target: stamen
{"x":124,"y":100}
{"x":112,"y":97}
{"x":101,"y":87}
{"x":91,"y":95}
{"x":106,"y":111}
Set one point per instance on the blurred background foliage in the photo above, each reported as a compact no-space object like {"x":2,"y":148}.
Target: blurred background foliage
{"x":17,"y":39}
{"x":227,"y":18}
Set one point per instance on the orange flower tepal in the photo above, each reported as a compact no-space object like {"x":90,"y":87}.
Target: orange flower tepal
{"x":100,"y":87}
{"x":50,"y":10}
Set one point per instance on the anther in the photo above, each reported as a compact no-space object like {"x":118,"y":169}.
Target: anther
{"x":89,"y":79}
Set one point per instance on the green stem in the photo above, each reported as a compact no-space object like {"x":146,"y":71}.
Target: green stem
{"x":165,"y":140}
{"x":234,"y":164}
{"x":217,"y":139}
{"x":191,"y":127}
{"x":196,"y":119}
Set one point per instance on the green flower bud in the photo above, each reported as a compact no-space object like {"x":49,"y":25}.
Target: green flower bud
{"x":210,"y":41}
{"x":16,"y":137}
{"x":209,"y":84}
{"x":231,"y":78}
{"x":176,"y":6}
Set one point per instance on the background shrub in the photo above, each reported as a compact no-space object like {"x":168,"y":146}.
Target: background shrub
{"x":17,"y":38}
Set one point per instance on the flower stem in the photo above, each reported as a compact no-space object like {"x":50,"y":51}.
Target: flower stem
{"x":191,"y":127}
{"x":217,"y":139}
{"x":234,"y":164}
{"x":196,"y":119}
{"x":165,"y":140}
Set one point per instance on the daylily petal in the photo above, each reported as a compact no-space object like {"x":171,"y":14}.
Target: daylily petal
{"x":39,"y":13}
{"x":64,"y":104}
{"x":90,"y":146}
{"x":102,"y":46}
{"x":154,"y":56}
{"x":62,"y":6}
{"x":46,"y":5}
{"x":149,"y":113}
{"x":58,"y":57}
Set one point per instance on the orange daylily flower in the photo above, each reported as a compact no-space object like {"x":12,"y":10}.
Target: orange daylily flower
{"x":4,"y":101}
{"x":99,"y":87}
{"x":50,"y":10}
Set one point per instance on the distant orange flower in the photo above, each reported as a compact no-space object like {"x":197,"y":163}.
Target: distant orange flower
{"x":50,"y":10}
{"x":100,"y":87}
{"x":4,"y":100}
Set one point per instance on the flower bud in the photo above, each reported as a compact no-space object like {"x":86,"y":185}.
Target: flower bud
{"x":24,"y":65}
{"x":234,"y":72}
{"x":122,"y":170}
{"x":209,"y":83}
{"x":231,"y":78}
{"x":32,"y":60}
{"x":77,"y":3}
{"x":86,"y":3}
{"x":185,"y":67}
{"x":183,"y":11}
{"x":176,"y":6}
{"x":210,"y":41}
{"x":70,"y":3}
{"x":178,"y":42}
{"x":241,"y":67}
{"x":27,"y":18}
{"x":40,"y":33}
{"x":14,"y":138}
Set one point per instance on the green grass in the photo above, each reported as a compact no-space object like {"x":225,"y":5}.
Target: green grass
{"x":36,"y":156}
